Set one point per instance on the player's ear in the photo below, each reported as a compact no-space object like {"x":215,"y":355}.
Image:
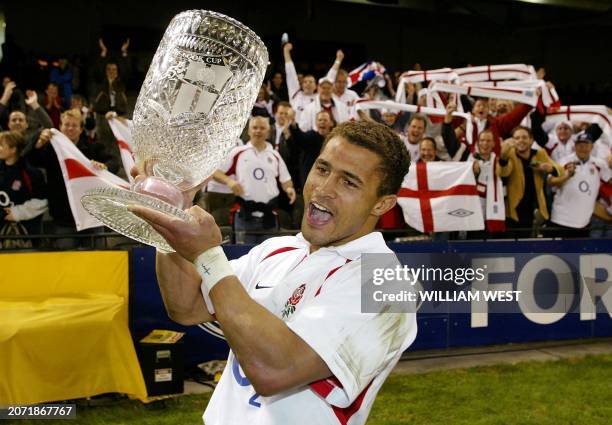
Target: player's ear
{"x":384,"y":204}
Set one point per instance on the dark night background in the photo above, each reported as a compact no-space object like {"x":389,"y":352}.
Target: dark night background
{"x":569,"y":38}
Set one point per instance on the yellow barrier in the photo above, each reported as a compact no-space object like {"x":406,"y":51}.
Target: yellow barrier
{"x":64,"y":327}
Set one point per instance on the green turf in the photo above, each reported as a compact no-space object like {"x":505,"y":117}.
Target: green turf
{"x":563,"y":392}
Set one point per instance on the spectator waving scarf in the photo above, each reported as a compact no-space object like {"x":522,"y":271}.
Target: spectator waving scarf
{"x":441,"y":197}
{"x":79,"y":177}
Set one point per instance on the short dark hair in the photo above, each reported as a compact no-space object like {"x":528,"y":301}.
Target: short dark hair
{"x":418,"y":117}
{"x":380,"y":139}
{"x":522,"y":127}
{"x":429,"y":139}
{"x":283,"y":103}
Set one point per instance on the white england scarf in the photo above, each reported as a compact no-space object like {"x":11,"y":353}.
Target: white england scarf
{"x":441,"y":197}
{"x":516,"y":94}
{"x":489,"y":182}
{"x":597,"y":114}
{"x":79,"y":177}
{"x":434,"y":112}
{"x":550,"y":97}
{"x":123,"y":134}
{"x":496,"y":72}
{"x":415,"y":77}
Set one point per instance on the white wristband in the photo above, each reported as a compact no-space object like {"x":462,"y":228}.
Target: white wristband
{"x":212,"y":266}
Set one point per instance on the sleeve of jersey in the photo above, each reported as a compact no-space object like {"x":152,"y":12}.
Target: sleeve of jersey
{"x":355,"y":346}
{"x":229,"y":162}
{"x":293,"y":84}
{"x":245,"y":266}
{"x":283,"y":172}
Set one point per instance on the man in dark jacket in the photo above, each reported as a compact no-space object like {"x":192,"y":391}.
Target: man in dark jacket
{"x":43,"y":155}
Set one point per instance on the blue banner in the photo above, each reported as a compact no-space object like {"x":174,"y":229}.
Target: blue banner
{"x":436,"y":329}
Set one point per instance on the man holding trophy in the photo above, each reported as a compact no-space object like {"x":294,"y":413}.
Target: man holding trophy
{"x":302,"y":352}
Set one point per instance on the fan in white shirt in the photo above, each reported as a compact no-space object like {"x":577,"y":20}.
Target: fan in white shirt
{"x":300,"y":98}
{"x":323,"y":102}
{"x":302,"y":351}
{"x":577,"y":190}
{"x":561,"y":143}
{"x":415,"y":130}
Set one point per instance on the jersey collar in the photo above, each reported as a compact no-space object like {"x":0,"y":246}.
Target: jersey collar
{"x":371,"y":243}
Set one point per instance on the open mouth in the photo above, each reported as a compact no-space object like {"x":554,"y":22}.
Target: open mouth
{"x":318,"y":215}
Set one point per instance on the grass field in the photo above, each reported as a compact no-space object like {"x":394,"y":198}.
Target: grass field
{"x":563,"y":392}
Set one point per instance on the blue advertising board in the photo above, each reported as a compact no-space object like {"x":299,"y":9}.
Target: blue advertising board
{"x":439,"y":329}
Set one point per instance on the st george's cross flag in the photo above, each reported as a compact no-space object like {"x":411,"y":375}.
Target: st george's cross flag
{"x":441,"y":197}
{"x":122,"y":129}
{"x":79,"y":177}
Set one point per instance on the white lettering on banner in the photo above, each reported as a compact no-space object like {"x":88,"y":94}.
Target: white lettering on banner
{"x":480,"y":307}
{"x":564,"y":293}
{"x":590,"y":289}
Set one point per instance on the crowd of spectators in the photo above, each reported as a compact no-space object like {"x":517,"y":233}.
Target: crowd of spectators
{"x":551,"y":179}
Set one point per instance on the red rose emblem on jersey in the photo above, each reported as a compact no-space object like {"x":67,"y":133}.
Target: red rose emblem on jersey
{"x":297,"y":294}
{"x":289,"y":307}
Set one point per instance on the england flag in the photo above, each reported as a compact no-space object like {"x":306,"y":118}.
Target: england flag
{"x":122,"y":129}
{"x":441,"y":197}
{"x":80,"y":176}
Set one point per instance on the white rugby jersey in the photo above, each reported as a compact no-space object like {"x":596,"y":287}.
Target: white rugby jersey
{"x":318,"y":295}
{"x":257,"y":171}
{"x":414,"y":149}
{"x":308,"y":119}
{"x":297,"y":98}
{"x":558,"y":150}
{"x":575,"y":200}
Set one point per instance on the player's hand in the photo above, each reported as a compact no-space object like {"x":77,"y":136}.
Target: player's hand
{"x":287,"y":47}
{"x":110,"y":114}
{"x":188,"y":238}
{"x":291,"y":195}
{"x":570,"y":169}
{"x":339,"y":55}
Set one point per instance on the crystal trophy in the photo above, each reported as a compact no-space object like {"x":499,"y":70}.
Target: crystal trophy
{"x":193,"y":105}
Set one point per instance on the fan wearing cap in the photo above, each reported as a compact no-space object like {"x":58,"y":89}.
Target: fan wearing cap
{"x":576,"y":191}
{"x":323,"y":102}
{"x":302,"y":95}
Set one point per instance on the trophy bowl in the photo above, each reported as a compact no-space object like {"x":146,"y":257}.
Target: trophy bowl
{"x":193,"y":105}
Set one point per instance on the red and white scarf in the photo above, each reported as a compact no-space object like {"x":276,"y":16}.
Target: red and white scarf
{"x":550,"y":97}
{"x":430,"y":112}
{"x":491,"y":192}
{"x":597,"y":114}
{"x":496,"y":72}
{"x":516,"y":94}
